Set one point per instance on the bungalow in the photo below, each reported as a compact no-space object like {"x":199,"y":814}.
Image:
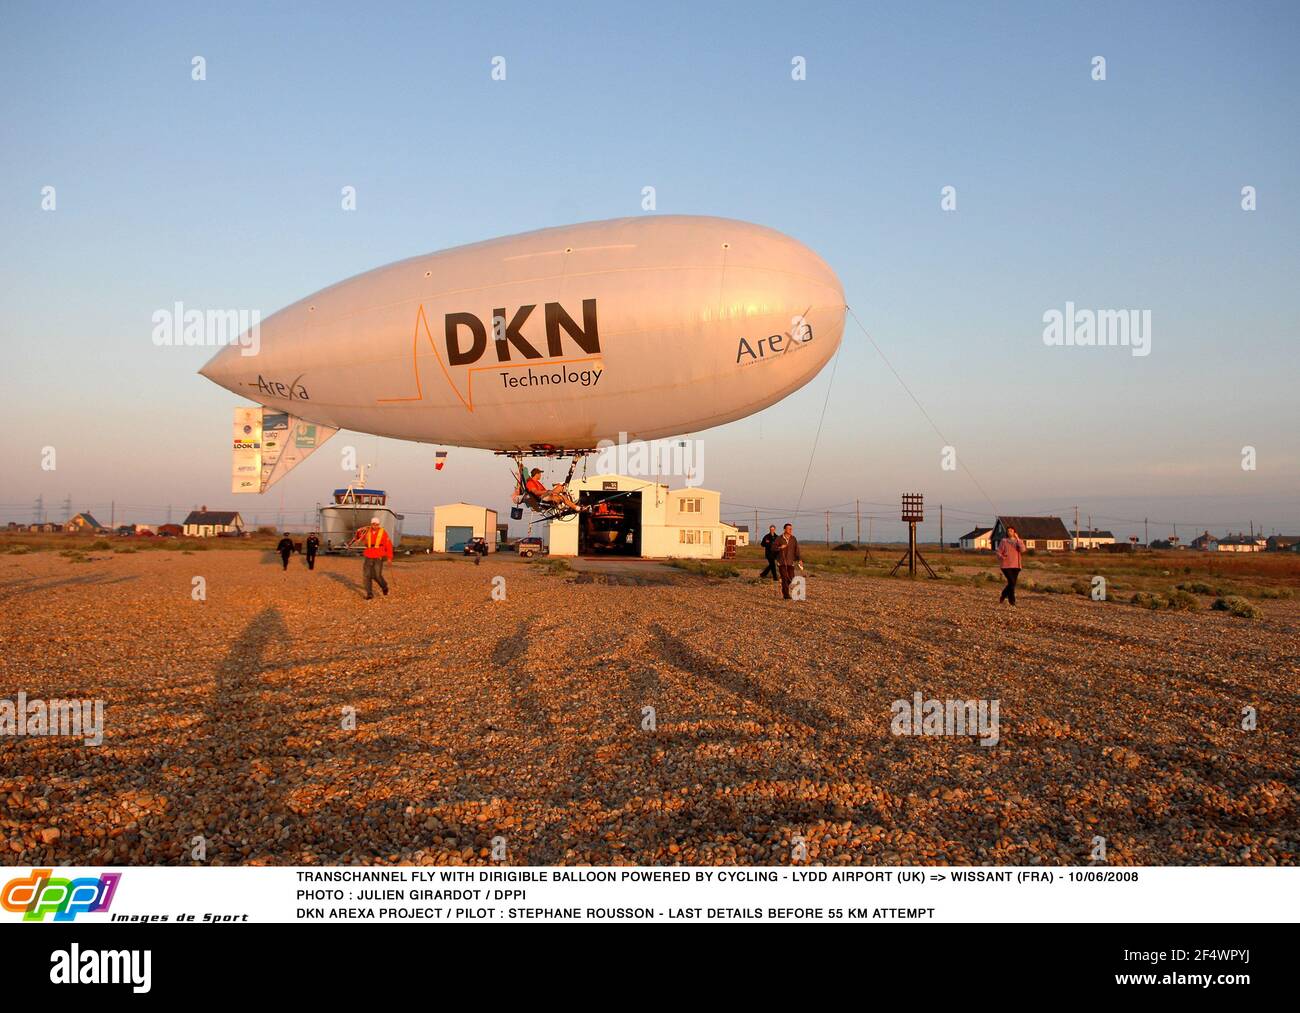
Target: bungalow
{"x":1041,"y":534}
{"x":1238,"y":543}
{"x":977,"y":538}
{"x":205,"y":523}
{"x":170,"y":530}
{"x":82,"y":523}
{"x":1092,"y":539}
{"x":1281,"y":543}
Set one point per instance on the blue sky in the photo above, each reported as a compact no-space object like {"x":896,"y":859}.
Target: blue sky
{"x":1114,"y":194}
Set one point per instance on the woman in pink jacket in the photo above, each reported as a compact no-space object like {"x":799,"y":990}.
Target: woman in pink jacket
{"x":1009,"y":551}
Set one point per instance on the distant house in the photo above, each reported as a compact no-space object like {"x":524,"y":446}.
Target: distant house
{"x":170,"y":530}
{"x":1203,"y":541}
{"x":977,"y":538}
{"x":82,"y":523}
{"x":1283,"y":543}
{"x":742,"y":535}
{"x":1238,"y":543}
{"x":1042,"y":534}
{"x":1092,"y":539}
{"x":205,"y":523}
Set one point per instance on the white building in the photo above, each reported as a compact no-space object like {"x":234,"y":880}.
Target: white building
{"x":1239,"y":543}
{"x":979,"y":538}
{"x":639,"y":518}
{"x":205,"y":523}
{"x":1091,"y":539}
{"x":454,"y":524}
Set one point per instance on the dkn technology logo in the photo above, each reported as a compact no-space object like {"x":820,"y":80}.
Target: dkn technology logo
{"x":42,"y":893}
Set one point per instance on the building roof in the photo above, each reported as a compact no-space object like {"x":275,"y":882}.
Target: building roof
{"x":212,"y":517}
{"x":89,"y":520}
{"x":979,"y":532}
{"x":1094,"y":533}
{"x":1038,"y":528}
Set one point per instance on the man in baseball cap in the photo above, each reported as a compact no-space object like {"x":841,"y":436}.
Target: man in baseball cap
{"x":377,"y":547}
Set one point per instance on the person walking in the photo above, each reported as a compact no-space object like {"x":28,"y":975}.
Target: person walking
{"x":285,"y":548}
{"x":1009,"y":552}
{"x":768,"y":541}
{"x":377,"y":547}
{"x":313,"y":546}
{"x":788,"y":557}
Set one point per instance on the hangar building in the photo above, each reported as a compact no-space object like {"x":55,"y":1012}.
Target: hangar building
{"x":640,"y":518}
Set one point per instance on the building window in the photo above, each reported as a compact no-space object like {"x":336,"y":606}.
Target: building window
{"x":689,"y":505}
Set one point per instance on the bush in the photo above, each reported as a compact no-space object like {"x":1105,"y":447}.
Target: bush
{"x":100,"y":544}
{"x":1271,"y":592}
{"x":845,"y":547}
{"x":1200,"y":587}
{"x":1146,"y":600}
{"x":1237,"y":606}
{"x":1181,"y":601}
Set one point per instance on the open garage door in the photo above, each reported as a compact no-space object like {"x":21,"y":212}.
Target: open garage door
{"x":612,"y":527}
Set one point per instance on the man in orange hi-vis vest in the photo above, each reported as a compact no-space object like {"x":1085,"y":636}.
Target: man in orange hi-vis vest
{"x":378,"y":547}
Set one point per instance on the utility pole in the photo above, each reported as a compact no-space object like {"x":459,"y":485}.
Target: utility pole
{"x":38,"y":511}
{"x":112,"y":514}
{"x":857,"y":506}
{"x":1076,"y":526}
{"x":941,"y":527}
{"x":828,"y":529}
{"x":1146,"y":538}
{"x":67,"y":509}
{"x":755,"y":534}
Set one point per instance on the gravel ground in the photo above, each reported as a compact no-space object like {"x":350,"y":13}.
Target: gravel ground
{"x":523,"y":719}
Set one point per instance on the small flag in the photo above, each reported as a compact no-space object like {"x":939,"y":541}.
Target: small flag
{"x":439,"y":459}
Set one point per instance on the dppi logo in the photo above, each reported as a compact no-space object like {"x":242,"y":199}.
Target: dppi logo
{"x":41,"y":894}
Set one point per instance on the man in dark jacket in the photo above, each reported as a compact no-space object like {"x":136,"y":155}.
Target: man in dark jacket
{"x":313,"y":546}
{"x":768,"y":541}
{"x":788,"y":557}
{"x":285,"y":548}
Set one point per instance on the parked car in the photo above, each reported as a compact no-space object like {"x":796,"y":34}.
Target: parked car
{"x":476,"y":547}
{"x":531,"y":547}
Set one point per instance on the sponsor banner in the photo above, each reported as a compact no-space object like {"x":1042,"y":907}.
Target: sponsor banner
{"x":269,"y":444}
{"x":295,"y":440}
{"x":505,"y":894}
{"x":246,"y":447}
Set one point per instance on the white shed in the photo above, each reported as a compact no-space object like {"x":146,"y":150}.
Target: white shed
{"x":454,"y":524}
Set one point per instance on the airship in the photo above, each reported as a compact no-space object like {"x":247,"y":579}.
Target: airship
{"x":549,"y":342}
